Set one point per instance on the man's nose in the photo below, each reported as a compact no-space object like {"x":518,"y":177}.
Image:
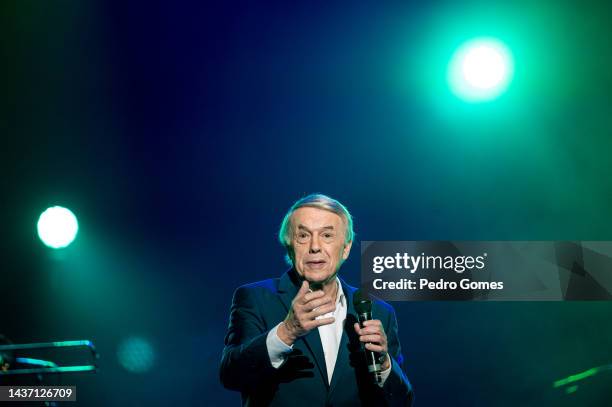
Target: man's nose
{"x":314,"y":244}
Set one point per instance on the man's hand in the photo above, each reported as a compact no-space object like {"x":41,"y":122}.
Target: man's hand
{"x":305,"y":308}
{"x":373,"y":334}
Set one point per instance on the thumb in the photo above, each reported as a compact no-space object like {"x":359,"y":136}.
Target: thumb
{"x":303,"y":289}
{"x":356,"y":326}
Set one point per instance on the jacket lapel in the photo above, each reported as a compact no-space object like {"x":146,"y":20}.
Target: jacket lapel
{"x":287,"y":289}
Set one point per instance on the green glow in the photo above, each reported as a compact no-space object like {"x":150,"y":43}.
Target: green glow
{"x":480,"y":70}
{"x":571,"y":389}
{"x":57,"y":227}
{"x":136,"y":354}
{"x":577,"y":377}
{"x":59,"y":369}
{"x":38,"y":362}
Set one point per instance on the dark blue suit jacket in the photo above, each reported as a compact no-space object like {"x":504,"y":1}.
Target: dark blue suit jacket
{"x":302,"y":379}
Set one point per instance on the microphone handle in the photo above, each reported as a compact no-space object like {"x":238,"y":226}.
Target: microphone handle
{"x":374,"y":366}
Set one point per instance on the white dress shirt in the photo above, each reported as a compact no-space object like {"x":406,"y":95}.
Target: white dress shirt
{"x":330,"y":334}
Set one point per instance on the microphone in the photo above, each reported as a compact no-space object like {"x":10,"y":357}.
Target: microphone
{"x":313,"y":286}
{"x":363,"y":307}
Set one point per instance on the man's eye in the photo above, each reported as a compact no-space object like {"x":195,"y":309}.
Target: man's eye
{"x":328,"y":235}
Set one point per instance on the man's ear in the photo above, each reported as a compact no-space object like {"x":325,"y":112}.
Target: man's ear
{"x":346,"y":250}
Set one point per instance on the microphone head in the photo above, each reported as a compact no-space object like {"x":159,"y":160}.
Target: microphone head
{"x":362,"y":303}
{"x":315,"y":286}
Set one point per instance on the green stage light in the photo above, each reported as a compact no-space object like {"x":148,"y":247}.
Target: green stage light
{"x":57,"y":227}
{"x":480,"y":70}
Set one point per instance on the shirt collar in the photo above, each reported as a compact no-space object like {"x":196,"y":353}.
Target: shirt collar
{"x":340,"y":297}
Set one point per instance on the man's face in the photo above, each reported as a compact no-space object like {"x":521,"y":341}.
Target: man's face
{"x":318,"y":242}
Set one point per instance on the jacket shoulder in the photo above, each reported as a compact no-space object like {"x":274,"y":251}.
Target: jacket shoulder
{"x":383,"y":307}
{"x":263,"y":287}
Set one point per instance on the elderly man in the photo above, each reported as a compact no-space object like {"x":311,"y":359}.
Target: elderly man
{"x":295,"y":340}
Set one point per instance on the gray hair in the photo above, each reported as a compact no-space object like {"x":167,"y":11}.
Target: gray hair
{"x":319,"y":201}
